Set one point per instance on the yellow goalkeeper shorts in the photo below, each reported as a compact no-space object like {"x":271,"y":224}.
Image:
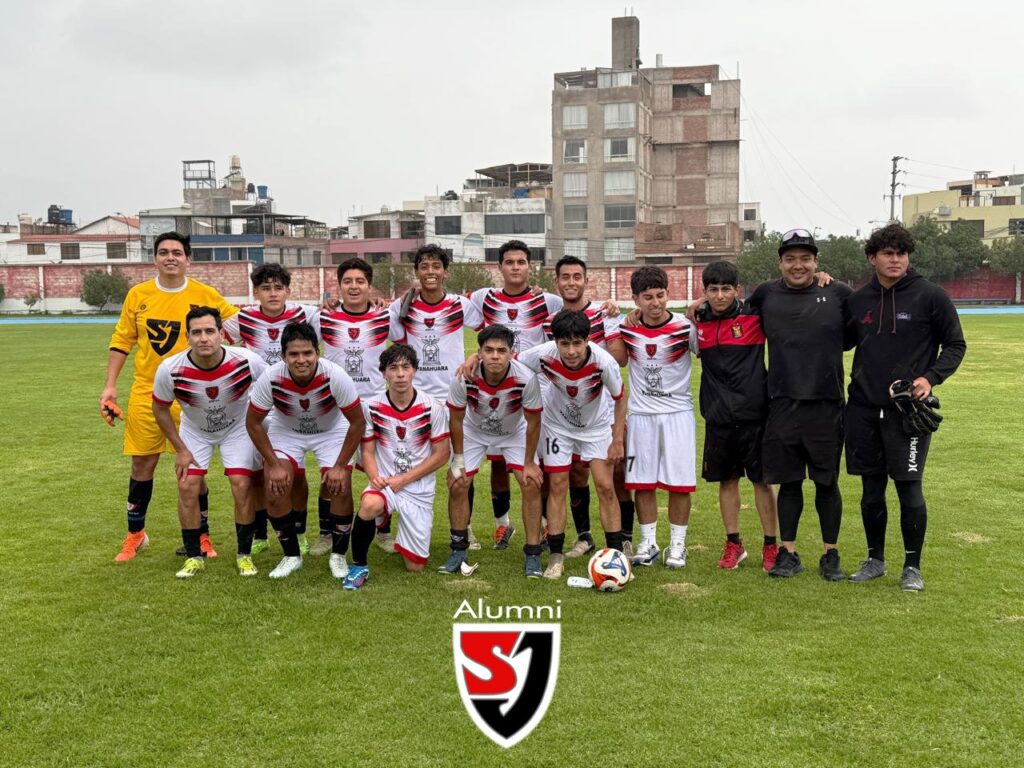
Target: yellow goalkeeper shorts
{"x":142,"y":435}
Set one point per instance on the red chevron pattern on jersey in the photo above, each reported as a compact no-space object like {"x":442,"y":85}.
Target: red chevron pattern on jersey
{"x":584,"y":384}
{"x":520,"y":312}
{"x":391,"y":425}
{"x":315,"y":397}
{"x":665,"y":344}
{"x":442,"y":318}
{"x":602,"y":329}
{"x":340,"y":329}
{"x":259,"y":332}
{"x":233,"y":377}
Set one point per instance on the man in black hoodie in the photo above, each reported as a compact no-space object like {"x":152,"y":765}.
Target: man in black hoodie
{"x":901,"y":321}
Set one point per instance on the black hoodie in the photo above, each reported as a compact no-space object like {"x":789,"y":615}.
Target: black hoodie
{"x":733,"y":381}
{"x":899,"y":331}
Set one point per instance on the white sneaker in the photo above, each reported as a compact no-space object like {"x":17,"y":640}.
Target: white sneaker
{"x":580,"y":548}
{"x":339,"y":566}
{"x":675,"y":557}
{"x":321,"y":546}
{"x":473,"y":543}
{"x":385,"y":541}
{"x":555,"y":567}
{"x":286,"y":567}
{"x":627,"y":550}
{"x":646,"y":553}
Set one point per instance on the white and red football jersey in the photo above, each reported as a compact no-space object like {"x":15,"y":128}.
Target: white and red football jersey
{"x":212,"y":401}
{"x":497,"y":411}
{"x":660,"y":365}
{"x":574,"y":399}
{"x":524,"y":314}
{"x":354,"y":340}
{"x":311,"y":409}
{"x":602,"y":329}
{"x":262,"y":334}
{"x":405,"y":438}
{"x":435,"y":332}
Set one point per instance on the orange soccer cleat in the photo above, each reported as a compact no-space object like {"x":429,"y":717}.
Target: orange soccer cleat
{"x":131,"y":545}
{"x":206,"y":545}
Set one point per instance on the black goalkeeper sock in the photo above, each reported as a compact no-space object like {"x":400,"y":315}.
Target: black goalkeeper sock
{"x":260,"y":529}
{"x":829,"y":504}
{"x":284,"y":527}
{"x":734,"y":538}
{"x":501,"y":502}
{"x":472,"y":495}
{"x":556,"y":543}
{"x":190,"y":538}
{"x":627,"y":511}
{"x":300,"y":516}
{"x":579,"y":505}
{"x":614,"y":539}
{"x":323,"y":508}
{"x":791,"y":505}
{"x":460,"y":539}
{"x":204,"y":512}
{"x":341,"y":531}
{"x":139,"y":494}
{"x":769,"y":541}
{"x":913,"y":524}
{"x":362,"y":535}
{"x":243,"y":535}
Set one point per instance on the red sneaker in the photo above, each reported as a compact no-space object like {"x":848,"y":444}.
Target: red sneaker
{"x":207,"y":546}
{"x":732,"y":556}
{"x":769,"y":553}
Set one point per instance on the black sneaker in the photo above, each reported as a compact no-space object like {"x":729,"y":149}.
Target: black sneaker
{"x":787,"y":565}
{"x":828,"y":566}
{"x":872,"y":568}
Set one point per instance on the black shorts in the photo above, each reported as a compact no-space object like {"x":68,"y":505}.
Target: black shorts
{"x":876,"y":444}
{"x":732,"y":450}
{"x":803,"y":436}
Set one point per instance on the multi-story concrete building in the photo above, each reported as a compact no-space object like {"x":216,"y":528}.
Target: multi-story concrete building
{"x":646,"y":160}
{"x":390,"y":234}
{"x":750,"y":221}
{"x":108,"y":240}
{"x":992,"y":204}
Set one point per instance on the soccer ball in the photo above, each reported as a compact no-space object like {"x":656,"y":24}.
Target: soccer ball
{"x":609,"y":570}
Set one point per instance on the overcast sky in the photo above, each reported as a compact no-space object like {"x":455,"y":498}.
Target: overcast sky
{"x":343,"y":107}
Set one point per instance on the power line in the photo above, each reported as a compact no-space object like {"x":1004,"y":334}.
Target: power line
{"x":939,"y":165}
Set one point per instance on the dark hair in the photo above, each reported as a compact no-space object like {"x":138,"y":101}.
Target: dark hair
{"x":196,"y":312}
{"x":396,"y":353}
{"x":570,"y":261}
{"x":496,"y":332}
{"x":571,"y":324}
{"x":891,"y":236}
{"x":298,"y":332}
{"x":185,"y":240}
{"x":646,"y":278}
{"x":434,"y":251}
{"x":355,"y":263}
{"x":720,"y":273}
{"x":513,"y":245}
{"x":268,"y":273}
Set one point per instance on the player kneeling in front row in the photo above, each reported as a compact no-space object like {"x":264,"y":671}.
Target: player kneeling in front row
{"x":577,"y":426}
{"x":317,"y":409}
{"x":405,"y":443}
{"x":495,"y":414}
{"x":212,"y":383}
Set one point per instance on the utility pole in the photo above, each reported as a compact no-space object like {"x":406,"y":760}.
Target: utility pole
{"x":892,"y":187}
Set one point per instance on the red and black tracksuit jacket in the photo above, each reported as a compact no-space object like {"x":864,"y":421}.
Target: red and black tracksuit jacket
{"x":733,"y":383}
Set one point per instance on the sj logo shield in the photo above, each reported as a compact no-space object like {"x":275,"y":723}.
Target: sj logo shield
{"x":506,"y":675}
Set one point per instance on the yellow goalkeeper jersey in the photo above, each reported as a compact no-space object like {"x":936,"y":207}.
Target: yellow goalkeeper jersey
{"x":154,"y":318}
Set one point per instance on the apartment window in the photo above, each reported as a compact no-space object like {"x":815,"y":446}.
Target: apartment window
{"x":1015,"y":227}
{"x":491,"y":255}
{"x":620,"y":115}
{"x":575,"y":185}
{"x":978,"y":225}
{"x":619,"y":150}
{"x":574,"y":116}
{"x":615,"y":79}
{"x":338,"y":258}
{"x":375,"y":229}
{"x":689,"y":91}
{"x":298,"y":257}
{"x":749,"y":235}
{"x":750,"y":214}
{"x":575,"y":151}
{"x":620,"y":183}
{"x":1004,"y":200}
{"x":577,"y":248}
{"x":239,"y":254}
{"x":117,"y":250}
{"x":447,"y":225}
{"x":37,"y":249}
{"x":575,"y":217}
{"x":377,"y":258}
{"x":619,"y":216}
{"x":514,"y":224}
{"x":202,"y":254}
{"x":619,"y":249}
{"x":318,"y":257}
{"x":411,"y":229}
{"x":408,"y":257}
{"x":69,"y":251}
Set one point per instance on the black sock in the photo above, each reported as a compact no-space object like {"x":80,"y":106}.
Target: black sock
{"x":531,"y":549}
{"x":341,"y":531}
{"x":385,"y":526}
{"x":300,"y":516}
{"x":579,"y":505}
{"x":243,"y":535}
{"x":284,"y":527}
{"x":627,"y":511}
{"x":613,"y":539}
{"x":190,"y":538}
{"x":472,"y":495}
{"x":323,"y":508}
{"x":913,"y":523}
{"x":260,"y":525}
{"x":874,"y":513}
{"x":733,"y":537}
{"x":556,"y":543}
{"x":460,"y":538}
{"x":502,"y":503}
{"x":204,"y":512}
{"x":791,"y":505}
{"x":829,"y":504}
{"x":769,"y":541}
{"x":362,"y":535}
{"x":139,"y":494}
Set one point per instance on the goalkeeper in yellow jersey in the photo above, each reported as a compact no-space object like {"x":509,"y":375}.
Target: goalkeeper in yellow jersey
{"x":153,"y":318}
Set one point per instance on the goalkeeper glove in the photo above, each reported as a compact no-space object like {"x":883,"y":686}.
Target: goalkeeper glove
{"x":109,"y":411}
{"x":406,"y":305}
{"x":918,"y":417}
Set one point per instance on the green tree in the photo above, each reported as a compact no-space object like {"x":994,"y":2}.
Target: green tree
{"x":843,"y":258}
{"x":31,"y":299}
{"x":941,"y":255}
{"x":392,"y":279}
{"x":759,"y":259}
{"x":100,"y":288}
{"x":467,"y":276}
{"x":543,"y":278}
{"x":1008,"y":255}
{"x":3,"y":292}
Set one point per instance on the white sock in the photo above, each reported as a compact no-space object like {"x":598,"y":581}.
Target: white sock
{"x":648,"y":533}
{"x":678,"y":535}
{"x":503,"y":520}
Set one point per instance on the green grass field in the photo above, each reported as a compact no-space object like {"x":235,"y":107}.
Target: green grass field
{"x":122,"y":665}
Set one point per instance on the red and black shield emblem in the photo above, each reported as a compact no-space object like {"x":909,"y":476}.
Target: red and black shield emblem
{"x":495,"y":402}
{"x":353,"y":333}
{"x":304,"y":403}
{"x":273,"y":333}
{"x":400,"y":432}
{"x":512,"y":314}
{"x":520,"y":662}
{"x":428,"y":321}
{"x":212,"y":392}
{"x":572,"y":390}
{"x":652,"y":349}
{"x":737,"y":330}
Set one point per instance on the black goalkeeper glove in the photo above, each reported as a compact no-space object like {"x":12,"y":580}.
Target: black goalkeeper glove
{"x":406,"y":305}
{"x":918,"y":417}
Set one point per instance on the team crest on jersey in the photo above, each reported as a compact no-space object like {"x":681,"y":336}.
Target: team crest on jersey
{"x":652,"y":349}
{"x":353,"y":332}
{"x":494,"y":403}
{"x":572,"y":390}
{"x":431,"y":351}
{"x":512,"y":314}
{"x":212,"y":392}
{"x":868,"y":318}
{"x":737,"y":330}
{"x":428,"y":321}
{"x":273,"y":333}
{"x":400,"y":432}
{"x":304,"y":403}
{"x":506,"y":675}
